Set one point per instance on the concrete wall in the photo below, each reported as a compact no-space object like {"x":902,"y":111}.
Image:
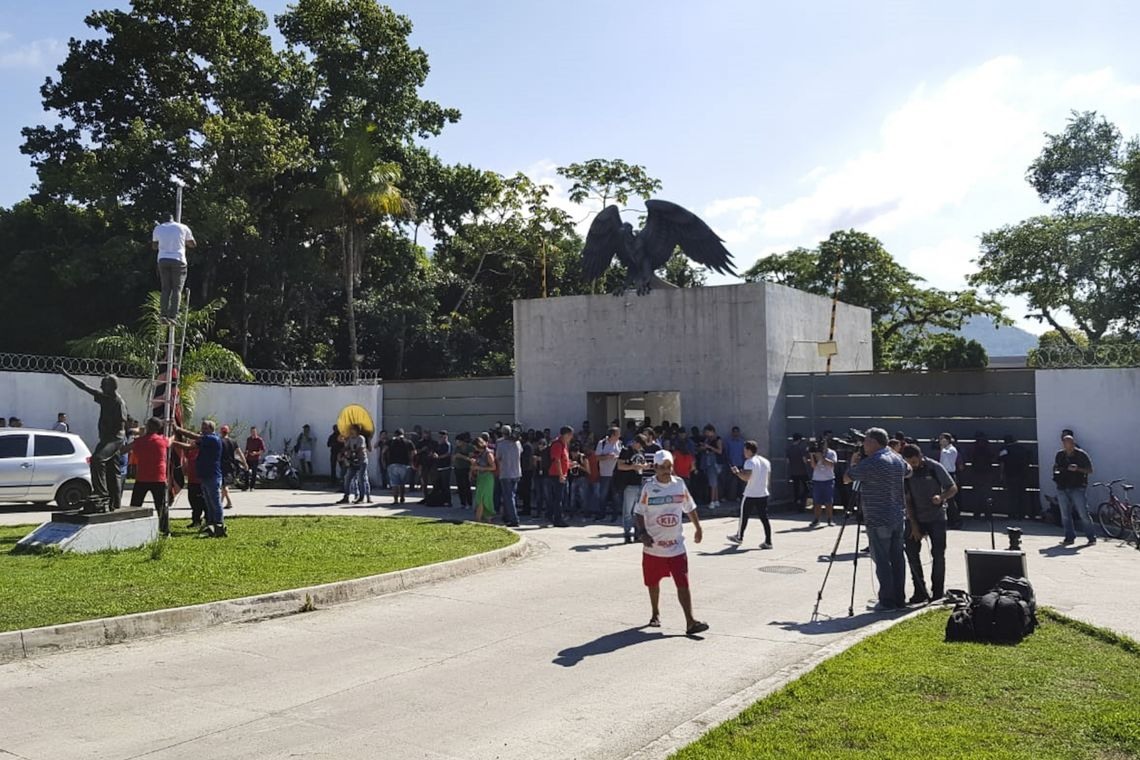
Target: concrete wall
{"x":279,"y":411}
{"x":725,"y":349}
{"x":469,"y":404}
{"x":1102,"y":407}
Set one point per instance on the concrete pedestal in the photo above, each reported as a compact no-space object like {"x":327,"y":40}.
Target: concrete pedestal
{"x":85,"y":533}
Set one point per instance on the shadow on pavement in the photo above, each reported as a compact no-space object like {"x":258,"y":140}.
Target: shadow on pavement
{"x":1060,"y":550}
{"x":727,"y":551}
{"x":608,"y":644}
{"x":837,"y":625}
{"x":582,"y":548}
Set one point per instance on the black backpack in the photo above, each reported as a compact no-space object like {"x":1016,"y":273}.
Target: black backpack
{"x":1022,"y":588}
{"x":1004,"y":615}
{"x":960,"y":625}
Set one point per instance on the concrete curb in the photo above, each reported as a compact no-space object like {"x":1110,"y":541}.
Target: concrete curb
{"x":39,"y":642}
{"x":733,"y":705}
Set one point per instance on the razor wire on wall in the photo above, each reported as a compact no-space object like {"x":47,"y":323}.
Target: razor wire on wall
{"x":86,"y":366}
{"x":1102,"y":356}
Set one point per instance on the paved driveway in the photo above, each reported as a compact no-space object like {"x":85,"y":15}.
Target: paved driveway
{"x":545,"y":658}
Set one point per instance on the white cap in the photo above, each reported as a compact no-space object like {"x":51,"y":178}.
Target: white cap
{"x":661,"y":457}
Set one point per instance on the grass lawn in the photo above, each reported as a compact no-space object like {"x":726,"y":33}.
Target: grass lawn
{"x":262,"y":554}
{"x":1067,"y":691}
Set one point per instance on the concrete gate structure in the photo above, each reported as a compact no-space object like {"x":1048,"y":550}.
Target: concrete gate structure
{"x":712,"y":354}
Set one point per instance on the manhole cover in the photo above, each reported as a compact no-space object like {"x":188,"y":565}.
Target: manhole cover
{"x":782,"y":570}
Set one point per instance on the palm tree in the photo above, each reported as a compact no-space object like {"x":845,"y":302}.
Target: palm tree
{"x":358,"y":188}
{"x":135,"y":347}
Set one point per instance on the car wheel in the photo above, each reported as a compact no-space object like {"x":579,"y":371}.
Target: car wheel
{"x":71,"y":493}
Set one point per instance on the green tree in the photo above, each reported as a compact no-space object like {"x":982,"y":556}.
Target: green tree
{"x":135,"y":347}
{"x":608,"y":181}
{"x":519,"y":246}
{"x":1084,"y":260}
{"x":939,"y":351}
{"x":904,"y":314}
{"x":358,"y":190}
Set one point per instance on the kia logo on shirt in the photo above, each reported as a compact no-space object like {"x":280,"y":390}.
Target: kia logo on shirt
{"x":667,"y":521}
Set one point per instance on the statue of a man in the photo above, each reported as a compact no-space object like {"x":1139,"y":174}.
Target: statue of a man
{"x":105,"y":483}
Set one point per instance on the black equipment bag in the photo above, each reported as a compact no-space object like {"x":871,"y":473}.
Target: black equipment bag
{"x":1023,"y":588}
{"x":1004,"y":615}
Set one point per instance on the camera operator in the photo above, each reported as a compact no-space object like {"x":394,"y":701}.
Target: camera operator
{"x":822,"y":459}
{"x":881,"y":474}
{"x":929,"y":488}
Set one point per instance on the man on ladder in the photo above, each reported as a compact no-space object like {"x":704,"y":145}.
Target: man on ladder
{"x":171,"y":239}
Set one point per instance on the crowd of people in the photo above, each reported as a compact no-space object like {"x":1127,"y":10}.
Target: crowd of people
{"x":559,"y":476}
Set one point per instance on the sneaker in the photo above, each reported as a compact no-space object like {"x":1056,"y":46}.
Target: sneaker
{"x":766,"y":545}
{"x":1092,"y":540}
{"x":1068,"y":542}
{"x":734,"y":539}
{"x":919,"y":598}
{"x":883,"y":607}
{"x":813,"y":524}
{"x":342,"y":501}
{"x":194,"y":524}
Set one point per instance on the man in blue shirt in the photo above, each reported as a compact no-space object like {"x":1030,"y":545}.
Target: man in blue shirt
{"x":881,"y":475}
{"x":209,"y":470}
{"x":734,"y":453}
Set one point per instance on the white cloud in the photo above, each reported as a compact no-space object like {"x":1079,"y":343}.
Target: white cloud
{"x":37,"y":54}
{"x":944,"y":146}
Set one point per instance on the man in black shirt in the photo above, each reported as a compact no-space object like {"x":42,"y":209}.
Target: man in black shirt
{"x":1014,"y":459}
{"x":336,"y":445}
{"x":928,"y":489}
{"x":441,"y":461}
{"x":798,"y":473}
{"x":1071,"y":469}
{"x":632,"y":464}
{"x":399,"y":465}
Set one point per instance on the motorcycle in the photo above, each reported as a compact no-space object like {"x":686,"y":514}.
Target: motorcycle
{"x":278,"y":470}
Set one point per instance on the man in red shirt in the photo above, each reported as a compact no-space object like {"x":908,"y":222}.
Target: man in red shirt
{"x":556,"y":482}
{"x":254,"y":446}
{"x":151,"y":451}
{"x":194,"y":487}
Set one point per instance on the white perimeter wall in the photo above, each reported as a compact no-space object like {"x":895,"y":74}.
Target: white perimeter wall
{"x":279,"y":411}
{"x":1102,"y":406}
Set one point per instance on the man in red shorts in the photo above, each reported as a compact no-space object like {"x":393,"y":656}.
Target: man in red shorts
{"x":660,"y":515}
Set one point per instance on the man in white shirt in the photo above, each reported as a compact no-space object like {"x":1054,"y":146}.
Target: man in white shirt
{"x":608,"y":450}
{"x":660,"y":512}
{"x":171,"y":239}
{"x":756,"y":473}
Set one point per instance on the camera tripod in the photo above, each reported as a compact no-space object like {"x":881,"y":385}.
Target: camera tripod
{"x":851,"y":508}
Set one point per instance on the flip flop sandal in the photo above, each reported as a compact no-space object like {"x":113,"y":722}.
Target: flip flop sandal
{"x":696,"y":628}
{"x":655,"y":622}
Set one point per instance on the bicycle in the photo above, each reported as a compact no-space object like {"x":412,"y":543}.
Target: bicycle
{"x":1118,"y":517}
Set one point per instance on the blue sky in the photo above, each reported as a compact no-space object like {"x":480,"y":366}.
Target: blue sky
{"x":778,"y":122}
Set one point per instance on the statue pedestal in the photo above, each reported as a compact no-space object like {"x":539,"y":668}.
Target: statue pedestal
{"x":124,"y":528}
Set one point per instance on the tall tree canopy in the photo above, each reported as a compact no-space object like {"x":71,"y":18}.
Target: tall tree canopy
{"x":905,"y":316}
{"x":1081,"y":263}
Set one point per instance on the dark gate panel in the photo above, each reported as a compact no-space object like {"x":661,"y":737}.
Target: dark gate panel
{"x":923,"y":405}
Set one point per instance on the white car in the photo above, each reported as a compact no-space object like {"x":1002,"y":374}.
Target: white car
{"x":43,"y":465}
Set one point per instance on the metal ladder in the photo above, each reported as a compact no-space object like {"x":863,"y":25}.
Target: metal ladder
{"x":166,"y":368}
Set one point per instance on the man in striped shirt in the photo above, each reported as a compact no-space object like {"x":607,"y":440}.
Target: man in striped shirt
{"x":881,"y":475}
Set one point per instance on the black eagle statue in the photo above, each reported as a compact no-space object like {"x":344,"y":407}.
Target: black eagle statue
{"x":667,"y":227}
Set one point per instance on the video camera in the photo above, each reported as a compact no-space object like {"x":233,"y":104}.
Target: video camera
{"x":853,"y":439}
